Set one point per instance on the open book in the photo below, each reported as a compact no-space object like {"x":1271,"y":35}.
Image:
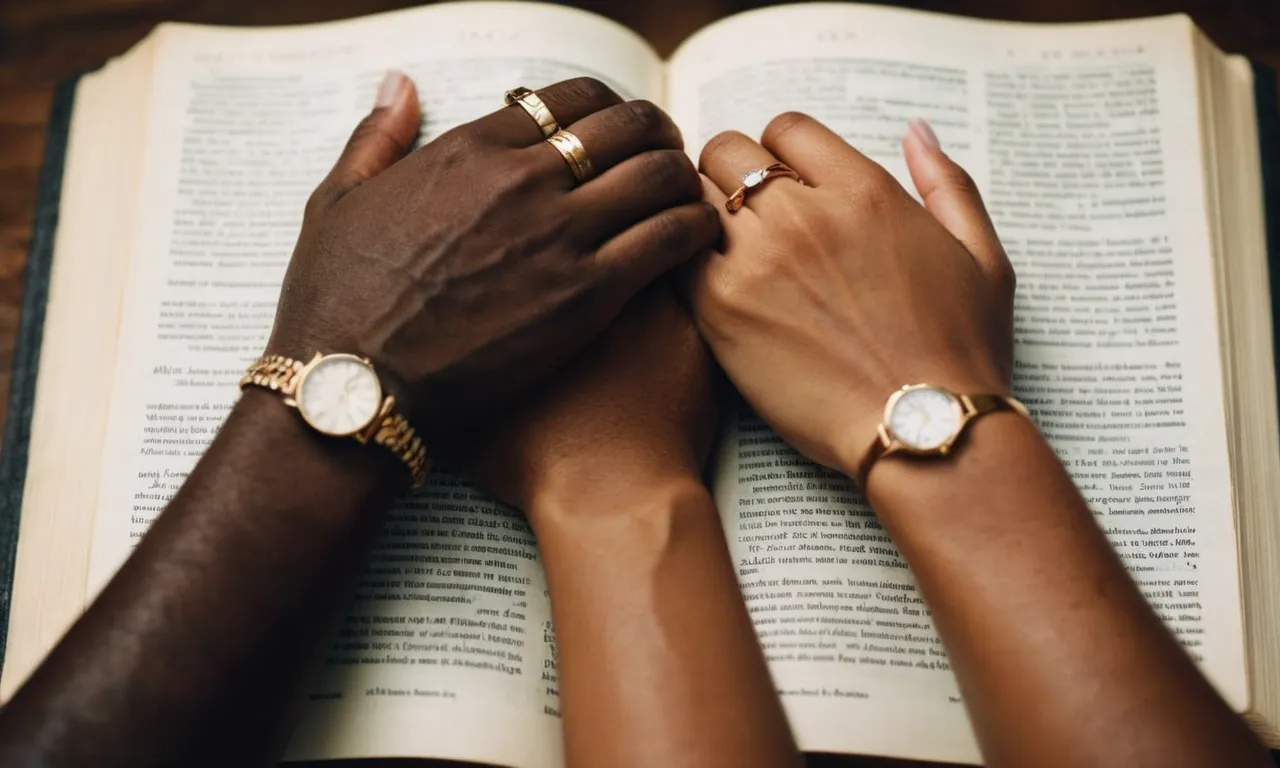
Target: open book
{"x":1121,"y":164}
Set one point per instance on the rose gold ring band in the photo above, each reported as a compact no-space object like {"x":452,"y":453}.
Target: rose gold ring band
{"x":754,"y":179}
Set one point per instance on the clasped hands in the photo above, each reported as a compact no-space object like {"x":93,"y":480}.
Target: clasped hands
{"x":558,"y":337}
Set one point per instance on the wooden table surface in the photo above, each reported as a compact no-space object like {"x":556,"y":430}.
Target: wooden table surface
{"x":44,"y":40}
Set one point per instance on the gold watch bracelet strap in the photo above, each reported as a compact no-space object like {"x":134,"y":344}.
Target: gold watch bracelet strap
{"x":397,"y":435}
{"x":974,"y":406}
{"x":275,"y":372}
{"x":394,"y":432}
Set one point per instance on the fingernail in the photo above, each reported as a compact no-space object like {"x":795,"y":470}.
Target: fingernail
{"x":924,"y":132}
{"x":389,"y":92}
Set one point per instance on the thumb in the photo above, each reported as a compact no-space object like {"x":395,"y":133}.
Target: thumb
{"x":951,"y":195}
{"x":384,"y":136}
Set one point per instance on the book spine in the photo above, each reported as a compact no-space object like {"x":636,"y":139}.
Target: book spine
{"x":1267,"y":103}
{"x":26,"y":354}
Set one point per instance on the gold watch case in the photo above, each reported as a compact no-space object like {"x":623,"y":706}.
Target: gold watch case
{"x":363,"y":432}
{"x":893,"y":442}
{"x":964,"y":409}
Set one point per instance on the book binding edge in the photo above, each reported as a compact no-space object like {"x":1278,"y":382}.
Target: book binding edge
{"x":15,"y":444}
{"x":1266,"y":99}
{"x":1267,"y":103}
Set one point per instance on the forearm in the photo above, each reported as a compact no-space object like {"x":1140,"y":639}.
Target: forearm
{"x":1059,"y":658}
{"x":659,"y":664}
{"x":191,"y":653}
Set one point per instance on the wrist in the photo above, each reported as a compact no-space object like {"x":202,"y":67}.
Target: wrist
{"x":260,"y":416}
{"x":587,"y":505}
{"x":988,"y":451}
{"x":303,"y":350}
{"x":858,"y":443}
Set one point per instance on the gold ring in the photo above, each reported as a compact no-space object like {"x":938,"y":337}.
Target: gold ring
{"x":533,"y":106}
{"x":570,"y":148}
{"x":756,"y":178}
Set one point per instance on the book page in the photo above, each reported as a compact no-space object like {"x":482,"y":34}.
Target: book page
{"x":77,"y":354}
{"x":447,"y":651}
{"x":1086,"y":143}
{"x":1235,"y":170}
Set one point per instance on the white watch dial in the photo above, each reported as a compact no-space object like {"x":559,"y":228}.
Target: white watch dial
{"x":925,"y":419}
{"x":340,"y":395}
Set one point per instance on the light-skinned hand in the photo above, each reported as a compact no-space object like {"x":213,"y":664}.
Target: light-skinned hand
{"x":828,"y":296}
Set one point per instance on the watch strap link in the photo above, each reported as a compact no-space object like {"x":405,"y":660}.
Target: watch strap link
{"x":974,"y":406}
{"x":397,"y":435}
{"x":275,"y":372}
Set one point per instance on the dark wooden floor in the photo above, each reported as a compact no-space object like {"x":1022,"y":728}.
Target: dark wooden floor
{"x":43,"y":40}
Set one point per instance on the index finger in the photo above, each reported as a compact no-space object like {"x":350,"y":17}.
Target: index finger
{"x":569,"y":101}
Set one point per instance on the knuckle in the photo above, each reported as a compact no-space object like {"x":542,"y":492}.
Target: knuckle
{"x":317,"y":202}
{"x":680,"y":232}
{"x":588,"y":89}
{"x":875,"y":191}
{"x":791,"y":229}
{"x":521,"y":178}
{"x":646,"y":117}
{"x":959,"y":180}
{"x":700,"y":229}
{"x":367,"y":127}
{"x":719,"y":143}
{"x":711,"y":290}
{"x":782,"y":124}
{"x":371,"y":133}
{"x":807,"y":238}
{"x":524,"y":175}
{"x":670,"y":230}
{"x":731,"y":293}
{"x":731,"y":289}
{"x":671,"y":169}
{"x":454,"y":145}
{"x":707,"y":220}
{"x":592,"y":305}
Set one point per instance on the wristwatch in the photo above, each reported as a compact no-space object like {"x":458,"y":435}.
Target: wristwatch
{"x":927,"y":420}
{"x":341,"y":396}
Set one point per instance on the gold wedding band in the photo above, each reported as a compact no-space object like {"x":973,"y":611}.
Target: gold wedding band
{"x":570,"y":148}
{"x":754,"y":179}
{"x":533,"y":106}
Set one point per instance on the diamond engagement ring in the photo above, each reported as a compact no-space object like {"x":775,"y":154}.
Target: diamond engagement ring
{"x":753,"y":179}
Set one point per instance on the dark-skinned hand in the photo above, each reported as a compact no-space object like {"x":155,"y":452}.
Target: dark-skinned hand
{"x":469,"y":269}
